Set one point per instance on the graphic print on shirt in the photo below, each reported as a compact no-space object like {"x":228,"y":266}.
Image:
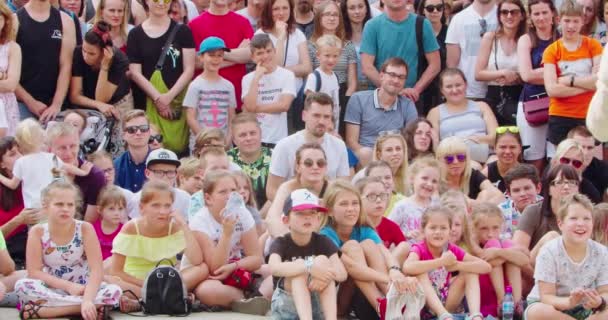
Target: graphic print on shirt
{"x":57,"y":34}
{"x":213,"y":107}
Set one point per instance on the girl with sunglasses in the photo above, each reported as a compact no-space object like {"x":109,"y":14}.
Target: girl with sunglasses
{"x":570,"y":152}
{"x":497,"y":61}
{"x":508,"y":150}
{"x":457,"y":173}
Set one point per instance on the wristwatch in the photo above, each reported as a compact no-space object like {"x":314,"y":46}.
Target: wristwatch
{"x":308,"y":262}
{"x":601,"y":307}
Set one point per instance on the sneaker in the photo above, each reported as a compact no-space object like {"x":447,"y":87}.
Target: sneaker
{"x":414,"y":304}
{"x":256,"y":306}
{"x":394,"y":304}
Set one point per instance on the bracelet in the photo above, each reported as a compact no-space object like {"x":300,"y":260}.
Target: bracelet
{"x":599,"y":308}
{"x":572,"y":80}
{"x":395,"y":268}
{"x":308,"y":262}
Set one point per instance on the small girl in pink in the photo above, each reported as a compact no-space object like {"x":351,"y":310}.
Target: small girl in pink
{"x":484,"y":242}
{"x":434,"y":262}
{"x":111,"y":205}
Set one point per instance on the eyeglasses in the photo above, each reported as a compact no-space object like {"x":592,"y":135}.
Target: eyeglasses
{"x":563,"y":182}
{"x":588,"y":9}
{"x":157,"y":137}
{"x":501,"y":130}
{"x":512,"y":12}
{"x":389,"y":133}
{"x":484,"y":27}
{"x":575,"y":163}
{"x":159,"y":1}
{"x":451,"y":158}
{"x":309,"y":163}
{"x":133,"y":129}
{"x":373,"y":197}
{"x":433,"y":8}
{"x":396,"y":75}
{"x":165,"y":173}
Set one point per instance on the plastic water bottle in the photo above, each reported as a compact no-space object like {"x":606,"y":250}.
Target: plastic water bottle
{"x":508,"y":306}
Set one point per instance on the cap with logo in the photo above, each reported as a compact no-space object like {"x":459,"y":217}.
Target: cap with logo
{"x":162,"y":156}
{"x":301,"y":200}
{"x":212,"y":44}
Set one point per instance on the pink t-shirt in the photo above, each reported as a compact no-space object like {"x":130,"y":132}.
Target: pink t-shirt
{"x":233,"y":29}
{"x":440,"y":278}
{"x":105,"y":240}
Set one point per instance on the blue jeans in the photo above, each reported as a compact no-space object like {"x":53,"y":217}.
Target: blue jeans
{"x":284,"y":308}
{"x":24,"y":112}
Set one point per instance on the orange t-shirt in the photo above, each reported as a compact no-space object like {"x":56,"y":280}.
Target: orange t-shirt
{"x":578,"y":63}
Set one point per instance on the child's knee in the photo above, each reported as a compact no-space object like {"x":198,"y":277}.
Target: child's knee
{"x":369,"y":246}
{"x":351,"y":247}
{"x":322,"y":261}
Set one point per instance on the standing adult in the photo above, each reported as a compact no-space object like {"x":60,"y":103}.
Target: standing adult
{"x":47,"y":38}
{"x":253,"y":12}
{"x":214,"y":22}
{"x":317,"y":116}
{"x":497,"y":63}
{"x":391,"y":35}
{"x":530,"y":47}
{"x":463,"y":41}
{"x":130,"y":165}
{"x":65,"y":144}
{"x":115,"y":13}
{"x":329,"y":21}
{"x":570,"y":74}
{"x":370,"y":112}
{"x":304,"y":16}
{"x":10,"y":71}
{"x":356,"y":13}
{"x":161,"y":90}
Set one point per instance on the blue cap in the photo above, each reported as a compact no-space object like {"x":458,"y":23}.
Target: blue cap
{"x":211,"y":44}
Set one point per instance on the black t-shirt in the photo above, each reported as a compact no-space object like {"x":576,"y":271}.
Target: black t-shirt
{"x":117,"y":75}
{"x":319,"y":245}
{"x":141,"y":49}
{"x":475,"y":183}
{"x":587,"y":188}
{"x":495,"y":177}
{"x":597,"y":173}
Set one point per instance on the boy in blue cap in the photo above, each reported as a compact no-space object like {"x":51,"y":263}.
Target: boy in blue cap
{"x":210,"y":101}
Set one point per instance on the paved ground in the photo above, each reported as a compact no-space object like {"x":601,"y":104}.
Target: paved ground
{"x":12,"y":314}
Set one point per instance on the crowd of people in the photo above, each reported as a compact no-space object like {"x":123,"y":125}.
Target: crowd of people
{"x":396,"y":159}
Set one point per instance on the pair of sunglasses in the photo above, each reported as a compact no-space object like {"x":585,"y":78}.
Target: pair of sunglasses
{"x":309,"y":163}
{"x":158,"y":138}
{"x":451,"y":158}
{"x":133,"y":129}
{"x":511,"y":129}
{"x":433,"y":8}
{"x":575,"y":163}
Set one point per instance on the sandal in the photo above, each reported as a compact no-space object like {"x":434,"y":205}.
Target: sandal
{"x":446,"y":316}
{"x":128,"y":304}
{"x":30,"y":310}
{"x":103,"y":313}
{"x":475,"y":315}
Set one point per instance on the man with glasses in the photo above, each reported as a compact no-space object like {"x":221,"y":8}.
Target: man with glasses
{"x":371,"y":112}
{"x":464,"y":38}
{"x":161,"y":165}
{"x":130,"y":165}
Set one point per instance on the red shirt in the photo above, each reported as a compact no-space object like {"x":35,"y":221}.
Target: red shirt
{"x":389,"y":232}
{"x":6,"y":216}
{"x":233,"y":29}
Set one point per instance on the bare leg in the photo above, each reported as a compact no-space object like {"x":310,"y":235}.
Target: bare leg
{"x":515,"y":279}
{"x":375,"y":260}
{"x":472,"y":292}
{"x":401,"y":252}
{"x":541,"y":311}
{"x":215,"y":293}
{"x":497,"y":278}
{"x":194,"y":275}
{"x":55,"y":312}
{"x":368,"y":288}
{"x":301,"y":295}
{"x":456,"y":293}
{"x":9,"y":281}
{"x":328,"y":301}
{"x":432,"y":300}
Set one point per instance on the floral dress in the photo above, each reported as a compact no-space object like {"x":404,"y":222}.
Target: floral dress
{"x":67,"y":262}
{"x":9,"y":110}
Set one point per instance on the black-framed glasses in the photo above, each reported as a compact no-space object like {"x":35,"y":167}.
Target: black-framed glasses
{"x":396,"y":75}
{"x":164,"y":173}
{"x":309,"y":163}
{"x":133,"y":129}
{"x":433,"y":8}
{"x":575,"y":163}
{"x":512,"y":12}
{"x":563,"y":182}
{"x":157,"y":137}
{"x":484,"y":27}
{"x":373,"y":197}
{"x":451,"y":158}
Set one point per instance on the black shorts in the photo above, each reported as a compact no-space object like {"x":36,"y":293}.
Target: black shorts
{"x":560,"y":126}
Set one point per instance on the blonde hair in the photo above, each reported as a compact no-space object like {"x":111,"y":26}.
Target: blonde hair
{"x":211,"y":151}
{"x":110,"y":195}
{"x":249,"y":185}
{"x":152,"y":189}
{"x":572,"y":9}
{"x":418,"y":165}
{"x":212,"y":178}
{"x":600,"y":223}
{"x":63,"y":185}
{"x":570,"y":200}
{"x":60,"y":129}
{"x":432,"y":210}
{"x":125,"y":17}
{"x":565,"y":146}
{"x":400,"y":175}
{"x":29,"y":135}
{"x":331,"y":197}
{"x":205,"y":137}
{"x":133,"y":114}
{"x":188,"y":167}
{"x":454,"y":145}
{"x":328,"y":40}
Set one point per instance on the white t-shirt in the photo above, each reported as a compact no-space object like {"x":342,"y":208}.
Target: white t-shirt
{"x":271,"y":86}
{"x":554,"y":265}
{"x":293,"y":55}
{"x":3,"y":119}
{"x":329,"y":85}
{"x":35,"y":172}
{"x":132,"y":203}
{"x":464,"y":30}
{"x":191,"y":9}
{"x":180,"y":204}
{"x":252,"y":20}
{"x":203,"y":221}
{"x":283,"y":159}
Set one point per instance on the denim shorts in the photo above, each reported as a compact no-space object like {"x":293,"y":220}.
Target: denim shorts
{"x":577,"y":312}
{"x":283,"y":307}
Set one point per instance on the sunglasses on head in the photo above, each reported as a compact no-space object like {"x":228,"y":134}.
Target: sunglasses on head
{"x":451,"y":158}
{"x":433,"y":8}
{"x":575,"y":163}
{"x":163,"y":1}
{"x":157,"y":137}
{"x":133,"y":129}
{"x":511,"y":129}
{"x":309,"y":163}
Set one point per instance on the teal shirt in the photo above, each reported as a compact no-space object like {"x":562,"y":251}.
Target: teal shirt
{"x":384,"y":39}
{"x":359,"y":234}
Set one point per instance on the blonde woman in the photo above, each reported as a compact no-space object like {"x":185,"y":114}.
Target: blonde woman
{"x":456,"y":172}
{"x":115,"y":13}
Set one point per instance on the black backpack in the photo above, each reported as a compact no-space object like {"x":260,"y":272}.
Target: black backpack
{"x":317,"y":75}
{"x":164,"y":292}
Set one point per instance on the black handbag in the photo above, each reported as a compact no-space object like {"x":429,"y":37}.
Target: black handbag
{"x":506,"y":108}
